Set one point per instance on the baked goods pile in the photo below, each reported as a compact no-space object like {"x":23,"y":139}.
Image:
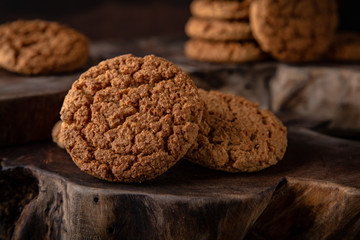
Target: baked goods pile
{"x":129,"y":119}
{"x":289,"y":31}
{"x":219,"y":31}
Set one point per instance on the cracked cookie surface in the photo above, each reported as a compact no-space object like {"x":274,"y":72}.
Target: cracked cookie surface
{"x":294,"y":31}
{"x":129,"y":118}
{"x":41,"y":47}
{"x":236,"y":136}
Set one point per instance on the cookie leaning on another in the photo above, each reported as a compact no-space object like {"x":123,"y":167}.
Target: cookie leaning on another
{"x":129,"y":119}
{"x":41,"y":47}
{"x":236,"y":136}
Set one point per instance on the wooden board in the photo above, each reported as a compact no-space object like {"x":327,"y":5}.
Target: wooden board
{"x":313,"y":193}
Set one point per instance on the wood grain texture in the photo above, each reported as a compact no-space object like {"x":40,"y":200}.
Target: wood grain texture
{"x":313,"y":193}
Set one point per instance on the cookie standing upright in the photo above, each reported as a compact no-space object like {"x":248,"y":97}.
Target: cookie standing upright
{"x":129,"y":119}
{"x":294,"y":31}
{"x":41,"y":47}
{"x":236,"y":136}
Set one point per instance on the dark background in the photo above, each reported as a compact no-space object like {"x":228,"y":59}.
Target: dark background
{"x":130,"y":18}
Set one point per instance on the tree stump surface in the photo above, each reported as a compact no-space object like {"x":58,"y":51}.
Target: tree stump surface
{"x":313,"y":193}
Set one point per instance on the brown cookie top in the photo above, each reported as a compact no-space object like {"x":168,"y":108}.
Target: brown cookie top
{"x":345,"y":47}
{"x":218,"y":30}
{"x":219,"y":51}
{"x":294,"y":31}
{"x":41,"y":47}
{"x":236,"y":136}
{"x":129,"y":118}
{"x":220,"y":9}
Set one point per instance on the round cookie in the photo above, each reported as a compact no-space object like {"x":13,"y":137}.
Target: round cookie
{"x":345,"y":47}
{"x":294,"y":31}
{"x":210,"y":51}
{"x":218,"y":30}
{"x":236,"y":136}
{"x":129,"y":118}
{"x":57,"y":136}
{"x":41,"y":47}
{"x":220,"y":9}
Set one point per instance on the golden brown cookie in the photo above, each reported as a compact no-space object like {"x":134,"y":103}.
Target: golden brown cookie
{"x":218,"y":30}
{"x":41,"y":47}
{"x":129,"y":118}
{"x":57,"y":136}
{"x":294,"y":31}
{"x":345,"y":47}
{"x":220,"y":9}
{"x":214,"y":51}
{"x":236,"y":136}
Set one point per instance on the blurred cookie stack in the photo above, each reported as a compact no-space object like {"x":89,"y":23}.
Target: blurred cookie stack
{"x":219,"y":31}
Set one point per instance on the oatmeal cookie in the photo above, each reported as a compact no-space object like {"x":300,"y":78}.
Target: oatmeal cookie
{"x":129,"y":118}
{"x":41,"y":47}
{"x":236,"y":136}
{"x":57,"y":136}
{"x":220,"y":9}
{"x":345,"y":47}
{"x":218,"y":30}
{"x":216,"y":51}
{"x":294,"y":31}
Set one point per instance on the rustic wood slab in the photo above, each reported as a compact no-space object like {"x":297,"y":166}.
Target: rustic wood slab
{"x":313,"y":193}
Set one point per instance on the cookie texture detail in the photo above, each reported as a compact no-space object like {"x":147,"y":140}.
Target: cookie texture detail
{"x":41,"y":47}
{"x":235,"y":136}
{"x":129,"y":118}
{"x":294,"y":31}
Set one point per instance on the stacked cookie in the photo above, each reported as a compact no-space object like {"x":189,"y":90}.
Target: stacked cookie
{"x":129,"y":119}
{"x":220,"y":32}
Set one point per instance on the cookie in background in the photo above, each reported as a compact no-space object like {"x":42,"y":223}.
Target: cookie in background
{"x":34,"y":47}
